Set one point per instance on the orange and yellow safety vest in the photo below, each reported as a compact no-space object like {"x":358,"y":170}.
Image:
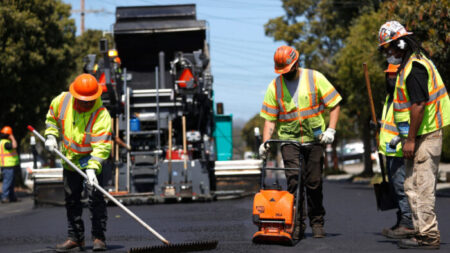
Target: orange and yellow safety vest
{"x":8,"y":157}
{"x":300,"y":118}
{"x":82,"y":134}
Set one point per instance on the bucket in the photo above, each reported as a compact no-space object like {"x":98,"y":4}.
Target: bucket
{"x":135,"y":125}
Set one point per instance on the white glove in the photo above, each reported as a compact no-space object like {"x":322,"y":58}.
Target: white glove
{"x":327,"y":137}
{"x":92,"y":178}
{"x":263,"y":151}
{"x":50,"y":143}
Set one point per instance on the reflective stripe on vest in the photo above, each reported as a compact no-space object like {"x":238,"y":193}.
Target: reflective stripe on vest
{"x":270,"y":110}
{"x":389,"y":127}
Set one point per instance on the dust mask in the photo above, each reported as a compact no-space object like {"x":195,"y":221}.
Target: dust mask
{"x":394,"y":60}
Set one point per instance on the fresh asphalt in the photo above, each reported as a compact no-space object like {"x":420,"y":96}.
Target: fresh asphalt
{"x":352,"y":224}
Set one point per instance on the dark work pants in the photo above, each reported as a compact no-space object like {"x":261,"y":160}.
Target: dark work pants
{"x":8,"y":184}
{"x":73,"y":188}
{"x":311,"y":181}
{"x":396,"y":174}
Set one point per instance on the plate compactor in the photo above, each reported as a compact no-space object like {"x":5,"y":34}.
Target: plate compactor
{"x":274,"y":209}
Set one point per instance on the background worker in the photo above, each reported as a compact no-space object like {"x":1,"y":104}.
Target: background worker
{"x":294,"y":103}
{"x":79,"y":119}
{"x":421,"y":110}
{"x":9,"y":160}
{"x":390,"y":147}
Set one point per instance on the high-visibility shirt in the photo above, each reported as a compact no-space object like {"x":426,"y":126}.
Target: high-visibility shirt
{"x":8,"y":157}
{"x":304,"y":122}
{"x":437,"y":109}
{"x":388,"y":131}
{"x":82,"y":134}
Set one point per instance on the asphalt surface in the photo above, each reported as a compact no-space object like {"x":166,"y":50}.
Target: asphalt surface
{"x":352,"y":224}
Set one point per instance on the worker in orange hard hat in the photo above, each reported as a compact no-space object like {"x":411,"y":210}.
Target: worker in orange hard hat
{"x":9,"y":160}
{"x":79,"y":119}
{"x":389,"y":146}
{"x":293,"y":104}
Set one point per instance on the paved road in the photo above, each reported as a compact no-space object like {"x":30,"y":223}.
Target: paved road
{"x":352,"y":224}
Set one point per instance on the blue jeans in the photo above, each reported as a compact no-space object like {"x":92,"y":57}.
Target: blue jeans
{"x":396,"y":175}
{"x":8,"y":184}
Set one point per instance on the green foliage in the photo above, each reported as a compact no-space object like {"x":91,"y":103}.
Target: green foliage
{"x":430,"y":22}
{"x":36,"y":58}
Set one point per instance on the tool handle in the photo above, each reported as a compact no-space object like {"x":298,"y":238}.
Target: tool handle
{"x":369,"y":93}
{"x":109,"y":196}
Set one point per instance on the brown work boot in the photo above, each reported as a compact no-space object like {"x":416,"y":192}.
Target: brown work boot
{"x":385,"y":231}
{"x":70,"y":246}
{"x":413,"y":243}
{"x":99,"y":245}
{"x":318,"y":231}
{"x":400,"y":233}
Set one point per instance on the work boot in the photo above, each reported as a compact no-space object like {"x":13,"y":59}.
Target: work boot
{"x":99,"y":245}
{"x":70,"y":246}
{"x":318,"y":231}
{"x":385,"y":231}
{"x":413,"y":243}
{"x":400,"y":233}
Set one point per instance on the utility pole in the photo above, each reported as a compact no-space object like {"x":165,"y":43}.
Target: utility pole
{"x":83,"y":12}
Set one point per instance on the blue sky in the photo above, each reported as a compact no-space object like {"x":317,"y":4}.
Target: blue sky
{"x":241,"y":54}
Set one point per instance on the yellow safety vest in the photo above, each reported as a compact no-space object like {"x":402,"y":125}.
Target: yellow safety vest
{"x":8,"y":158}
{"x":437,"y":109}
{"x":83,"y":134}
{"x":388,"y":131}
{"x":305,"y":122}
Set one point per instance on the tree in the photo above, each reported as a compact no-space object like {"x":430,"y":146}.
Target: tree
{"x":430,"y":23}
{"x":36,"y":58}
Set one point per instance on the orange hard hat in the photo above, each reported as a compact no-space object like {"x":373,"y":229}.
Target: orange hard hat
{"x":117,"y":60}
{"x":392,"y":68}
{"x":85,"y":88}
{"x":284,"y":58}
{"x":7,"y":130}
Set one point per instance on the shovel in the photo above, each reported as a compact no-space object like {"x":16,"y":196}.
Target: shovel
{"x":167,"y":247}
{"x":384,"y":192}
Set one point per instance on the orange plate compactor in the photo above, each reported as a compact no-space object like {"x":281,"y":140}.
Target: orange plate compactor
{"x":274,"y":209}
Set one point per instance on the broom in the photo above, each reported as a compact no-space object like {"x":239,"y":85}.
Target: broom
{"x":167,"y":247}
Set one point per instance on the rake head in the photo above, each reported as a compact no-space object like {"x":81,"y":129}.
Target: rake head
{"x":177,"y":247}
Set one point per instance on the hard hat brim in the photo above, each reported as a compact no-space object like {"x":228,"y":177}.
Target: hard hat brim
{"x":85,"y":98}
{"x":389,"y":41}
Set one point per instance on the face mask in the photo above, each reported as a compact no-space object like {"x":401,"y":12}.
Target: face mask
{"x":394,"y":60}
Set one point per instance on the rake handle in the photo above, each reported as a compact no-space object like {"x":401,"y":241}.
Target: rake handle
{"x":109,"y":196}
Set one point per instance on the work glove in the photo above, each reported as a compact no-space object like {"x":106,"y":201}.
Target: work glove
{"x":327,"y":137}
{"x":393,"y":143}
{"x":92,"y":178}
{"x":263,"y":151}
{"x":50,"y":143}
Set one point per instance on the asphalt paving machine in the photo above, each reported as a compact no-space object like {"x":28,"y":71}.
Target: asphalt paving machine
{"x":158,"y":88}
